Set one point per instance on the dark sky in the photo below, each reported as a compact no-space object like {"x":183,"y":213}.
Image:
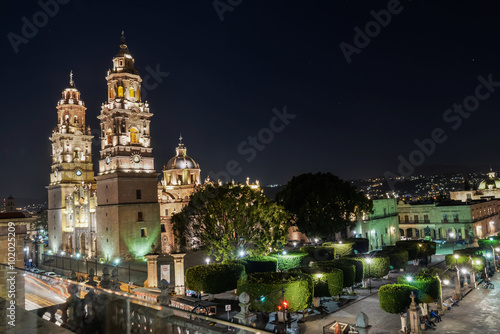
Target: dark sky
{"x":352,"y":119}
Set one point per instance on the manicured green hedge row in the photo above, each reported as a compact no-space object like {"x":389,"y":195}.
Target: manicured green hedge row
{"x":473,"y":251}
{"x":395,"y":298}
{"x":429,"y":287}
{"x":319,"y":253}
{"x":347,"y":267}
{"x":342,"y":248}
{"x":290,"y":260}
{"x":361,"y":245}
{"x":259,"y":264}
{"x":487,"y":243}
{"x":417,"y":249}
{"x":298,"y":290}
{"x":379,"y":266}
{"x":214,"y":278}
{"x":398,"y":256}
{"x":478,"y":262}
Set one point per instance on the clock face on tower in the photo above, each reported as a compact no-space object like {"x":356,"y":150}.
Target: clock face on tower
{"x":78,"y":172}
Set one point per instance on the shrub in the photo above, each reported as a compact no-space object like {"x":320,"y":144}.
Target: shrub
{"x":361,"y":245}
{"x":379,"y":266}
{"x":298,"y":290}
{"x":214,"y":278}
{"x":398,"y":257}
{"x":290,"y":260}
{"x":429,"y":287}
{"x":335,"y":282}
{"x":464,"y":261}
{"x":342,"y":248}
{"x":487,"y":243}
{"x":360,"y":268}
{"x":319,"y":253}
{"x":395,"y":298}
{"x":347,"y":267}
{"x":260,"y":264}
{"x":417,"y":249}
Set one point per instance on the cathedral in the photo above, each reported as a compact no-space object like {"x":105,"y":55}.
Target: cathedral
{"x":123,"y":211}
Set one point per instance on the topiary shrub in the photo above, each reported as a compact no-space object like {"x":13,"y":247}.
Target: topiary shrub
{"x":398,"y":257}
{"x":259,"y":264}
{"x":298,"y":290}
{"x":379,"y":266}
{"x":361,"y":245}
{"x":335,"y":280}
{"x":395,"y":298}
{"x":214,"y":278}
{"x":290,"y":260}
{"x":319,"y":253}
{"x":347,"y":267}
{"x":342,"y":248}
{"x":360,"y":268}
{"x":463,"y":261}
{"x":488,"y":243}
{"x":429,"y":287}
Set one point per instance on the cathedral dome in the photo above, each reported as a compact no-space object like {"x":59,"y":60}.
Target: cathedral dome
{"x":181,"y":159}
{"x":491,"y":182}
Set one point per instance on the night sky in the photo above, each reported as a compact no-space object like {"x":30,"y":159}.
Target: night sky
{"x":226,"y":77}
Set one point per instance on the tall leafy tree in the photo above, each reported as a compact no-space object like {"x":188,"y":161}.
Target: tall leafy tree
{"x":226,"y":219}
{"x":323,"y":204}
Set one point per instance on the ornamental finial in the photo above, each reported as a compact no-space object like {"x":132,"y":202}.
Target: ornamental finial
{"x":71,"y":83}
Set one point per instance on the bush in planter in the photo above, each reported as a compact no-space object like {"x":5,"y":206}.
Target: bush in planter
{"x":298,"y":290}
{"x":395,"y":298}
{"x":398,"y":257}
{"x":259,"y":264}
{"x":429,"y":287}
{"x":342,"y":248}
{"x":290,"y":260}
{"x":319,"y":253}
{"x":214,"y":278}
{"x":379,"y":266}
{"x":347,"y":267}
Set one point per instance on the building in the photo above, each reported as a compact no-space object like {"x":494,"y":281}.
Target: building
{"x":181,"y":178}
{"x":128,"y":212}
{"x":71,"y":203}
{"x":488,"y":188}
{"x":451,"y":220}
{"x":381,"y":226}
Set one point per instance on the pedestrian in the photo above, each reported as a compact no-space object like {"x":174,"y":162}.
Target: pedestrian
{"x":435,"y":314}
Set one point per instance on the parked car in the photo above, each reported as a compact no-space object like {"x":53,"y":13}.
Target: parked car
{"x":440,"y":241}
{"x":51,"y":274}
{"x":461,"y":242}
{"x":35,"y":270}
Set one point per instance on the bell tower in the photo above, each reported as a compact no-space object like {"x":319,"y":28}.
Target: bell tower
{"x":71,"y":163}
{"x":128,"y":211}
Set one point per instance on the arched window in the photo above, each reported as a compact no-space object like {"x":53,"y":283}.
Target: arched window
{"x":120,"y":91}
{"x":111,"y":93}
{"x":75,"y":119}
{"x":132,"y":92}
{"x":109,"y":137}
{"x":134,"y":138}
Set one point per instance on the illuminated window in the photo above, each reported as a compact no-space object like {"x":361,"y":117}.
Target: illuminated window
{"x":120,"y":91}
{"x":132,"y":92}
{"x":111,"y":93}
{"x":134,"y":138}
{"x":110,"y":137}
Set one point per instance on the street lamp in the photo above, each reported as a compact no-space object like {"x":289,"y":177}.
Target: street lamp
{"x":456,"y":259}
{"x":207,"y":260}
{"x":369,"y":261}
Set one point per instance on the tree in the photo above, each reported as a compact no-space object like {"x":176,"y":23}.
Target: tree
{"x":228,"y":219}
{"x":42,"y":222}
{"x":323,"y":204}
{"x":395,"y":299}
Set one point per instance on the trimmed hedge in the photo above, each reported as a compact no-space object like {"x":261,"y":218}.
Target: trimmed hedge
{"x":342,"y":248}
{"x":417,"y":249}
{"x":298,"y":290}
{"x":361,"y":245}
{"x":260,"y":264}
{"x":463,"y":261}
{"x":472,"y":251}
{"x":347,"y":267}
{"x":395,"y":298}
{"x":398,"y":256}
{"x":319,"y":253}
{"x":290,"y":260}
{"x":335,"y":282}
{"x":379,"y":266}
{"x":360,"y":268}
{"x":487,"y":243}
{"x":215,"y":277}
{"x":429,"y":287}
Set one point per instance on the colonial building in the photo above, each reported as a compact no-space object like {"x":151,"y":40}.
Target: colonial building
{"x":451,"y":220}
{"x":381,"y":226}
{"x":181,"y":177}
{"x":71,"y":202}
{"x":488,"y":188}
{"x":128,"y":212}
